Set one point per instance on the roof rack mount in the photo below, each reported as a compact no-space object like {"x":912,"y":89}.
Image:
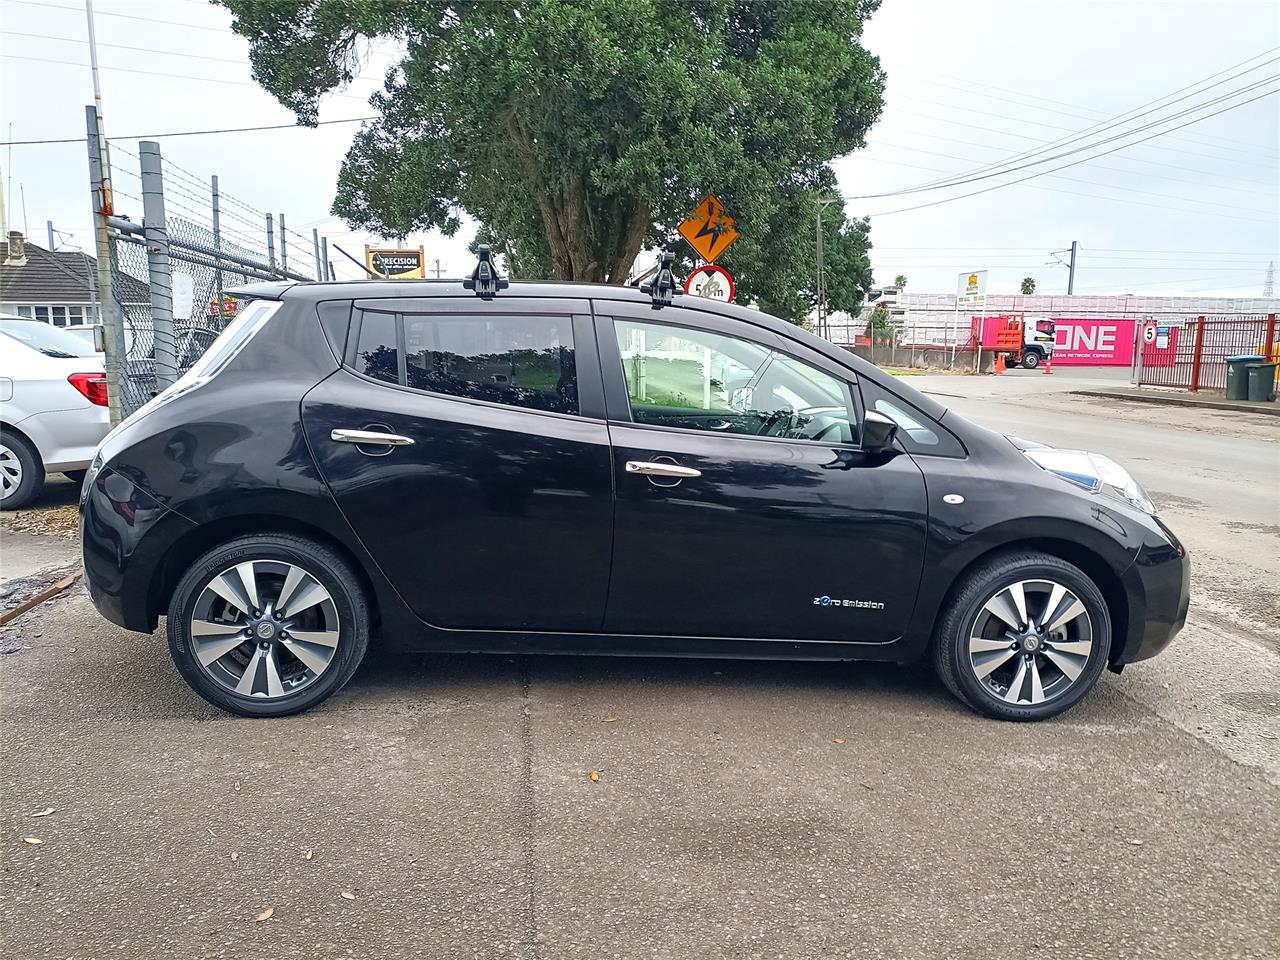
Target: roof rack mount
{"x":663,"y":287}
{"x":485,"y":279}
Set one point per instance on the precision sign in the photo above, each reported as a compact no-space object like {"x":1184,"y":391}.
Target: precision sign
{"x":710,"y":281}
{"x":709,"y":229}
{"x":396,"y":264}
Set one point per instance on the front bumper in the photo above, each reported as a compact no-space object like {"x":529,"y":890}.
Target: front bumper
{"x":1159,"y":588}
{"x":125,"y":535}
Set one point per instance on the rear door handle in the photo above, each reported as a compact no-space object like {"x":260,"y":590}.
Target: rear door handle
{"x":648,"y":468}
{"x":372,"y":437}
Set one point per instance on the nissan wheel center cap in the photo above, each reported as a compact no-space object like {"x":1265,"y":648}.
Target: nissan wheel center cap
{"x":710,"y":281}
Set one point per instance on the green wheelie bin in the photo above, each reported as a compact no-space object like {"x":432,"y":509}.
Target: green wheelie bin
{"x":1238,"y":374}
{"x":1262,"y":381}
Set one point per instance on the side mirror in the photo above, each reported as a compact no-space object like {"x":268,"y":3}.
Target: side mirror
{"x":878,"y":433}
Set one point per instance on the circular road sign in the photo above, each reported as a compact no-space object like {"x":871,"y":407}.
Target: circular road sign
{"x":710,"y":281}
{"x":1149,"y":333}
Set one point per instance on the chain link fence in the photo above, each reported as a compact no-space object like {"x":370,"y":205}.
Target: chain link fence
{"x":172,"y":262}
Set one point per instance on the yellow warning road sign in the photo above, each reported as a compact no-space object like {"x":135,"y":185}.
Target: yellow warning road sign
{"x":709,"y":229}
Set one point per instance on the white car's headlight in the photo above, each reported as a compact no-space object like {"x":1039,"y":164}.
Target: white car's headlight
{"x":1093,"y":472}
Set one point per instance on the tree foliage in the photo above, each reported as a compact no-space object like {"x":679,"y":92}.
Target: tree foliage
{"x":900,"y":281}
{"x":1028,"y":285}
{"x":578,"y":131}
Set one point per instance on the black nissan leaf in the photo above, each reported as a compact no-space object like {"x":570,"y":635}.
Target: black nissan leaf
{"x":562,"y":468}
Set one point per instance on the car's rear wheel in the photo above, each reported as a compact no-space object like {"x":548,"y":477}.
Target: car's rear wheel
{"x":268,"y":625}
{"x":1025,"y":637}
{"x":21,"y":472}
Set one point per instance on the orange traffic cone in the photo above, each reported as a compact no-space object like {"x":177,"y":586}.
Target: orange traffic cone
{"x":1048,"y":366}
{"x":999,"y":367}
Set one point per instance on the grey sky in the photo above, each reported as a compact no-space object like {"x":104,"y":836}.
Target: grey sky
{"x":969,"y":83}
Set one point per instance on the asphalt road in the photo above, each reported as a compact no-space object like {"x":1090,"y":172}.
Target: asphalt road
{"x":742,"y":810}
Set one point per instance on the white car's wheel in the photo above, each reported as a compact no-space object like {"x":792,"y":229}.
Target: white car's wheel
{"x":21,"y":472}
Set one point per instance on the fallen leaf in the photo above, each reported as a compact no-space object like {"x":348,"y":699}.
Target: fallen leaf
{"x":32,"y":840}
{"x":43,"y":813}
{"x":310,"y":854}
{"x":266,"y":914}
{"x":348,"y":895}
{"x":595,"y":777}
{"x":609,"y":720}
{"x":1136,"y":843}
{"x":838,"y":740}
{"x":235,"y":857}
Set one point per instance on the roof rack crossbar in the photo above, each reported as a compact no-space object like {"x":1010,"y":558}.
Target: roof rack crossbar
{"x":485,"y":279}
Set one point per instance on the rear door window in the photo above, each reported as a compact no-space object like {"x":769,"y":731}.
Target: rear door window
{"x":518,"y":360}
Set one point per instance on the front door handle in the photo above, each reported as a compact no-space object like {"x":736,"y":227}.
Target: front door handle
{"x":650,"y":469}
{"x":371,"y":437}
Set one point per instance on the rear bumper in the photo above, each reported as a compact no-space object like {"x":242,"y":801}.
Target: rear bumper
{"x":66,"y":439}
{"x":124,"y":536}
{"x":1159,"y":588}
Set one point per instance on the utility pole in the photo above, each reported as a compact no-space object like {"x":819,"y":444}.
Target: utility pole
{"x":49,"y":224}
{"x":113,"y":338}
{"x":819,"y":204}
{"x":1071,"y":270}
{"x":159,"y":280}
{"x":315,"y":242}
{"x":326,"y":268}
{"x":217,"y":243}
{"x":271,"y":243}
{"x":284,"y":248}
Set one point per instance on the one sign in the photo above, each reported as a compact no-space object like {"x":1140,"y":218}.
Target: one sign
{"x":710,"y":281}
{"x":1149,"y":333}
{"x":183,"y":287}
{"x":1093,"y":342}
{"x":396,"y":264}
{"x":709,"y":229}
{"x":971,"y":286}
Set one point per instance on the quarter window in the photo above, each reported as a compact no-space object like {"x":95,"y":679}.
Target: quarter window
{"x":694,"y":379}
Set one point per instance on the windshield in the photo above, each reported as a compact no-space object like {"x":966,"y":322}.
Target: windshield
{"x":50,"y":341}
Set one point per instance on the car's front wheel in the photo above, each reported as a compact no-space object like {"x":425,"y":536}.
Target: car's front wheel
{"x":1031,"y":360}
{"x":1025,"y":637}
{"x":268,"y":625}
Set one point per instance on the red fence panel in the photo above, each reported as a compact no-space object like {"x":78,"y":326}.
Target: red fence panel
{"x":1191,"y":353}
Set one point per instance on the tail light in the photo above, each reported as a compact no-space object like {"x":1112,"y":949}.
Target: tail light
{"x":92,"y":385}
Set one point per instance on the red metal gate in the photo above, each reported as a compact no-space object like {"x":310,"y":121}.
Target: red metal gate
{"x":1191,"y":352}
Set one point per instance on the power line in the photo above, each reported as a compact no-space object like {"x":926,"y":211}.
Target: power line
{"x":1251,"y":147}
{"x":191,"y":133}
{"x":993,"y":168}
{"x":121,"y":16}
{"x":1033,"y":176}
{"x":156,"y":73}
{"x":122,"y":46}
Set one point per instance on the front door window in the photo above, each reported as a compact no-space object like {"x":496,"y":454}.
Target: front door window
{"x":695,"y":379}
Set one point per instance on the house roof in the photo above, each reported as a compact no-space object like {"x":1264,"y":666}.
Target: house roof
{"x":57,"y":277}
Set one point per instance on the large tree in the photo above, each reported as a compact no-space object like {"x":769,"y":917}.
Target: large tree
{"x":577,"y":131}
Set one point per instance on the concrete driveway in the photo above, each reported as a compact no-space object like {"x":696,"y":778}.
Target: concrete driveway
{"x":444,"y":806}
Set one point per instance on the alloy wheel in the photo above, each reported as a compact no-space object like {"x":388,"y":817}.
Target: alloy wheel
{"x":10,"y":472}
{"x":1030,"y":642}
{"x":264,"y":628}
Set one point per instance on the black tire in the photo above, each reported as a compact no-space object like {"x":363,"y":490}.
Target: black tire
{"x":76,"y":476}
{"x":31,"y":466}
{"x":951,"y":659}
{"x":1031,"y":360}
{"x":330,"y":569}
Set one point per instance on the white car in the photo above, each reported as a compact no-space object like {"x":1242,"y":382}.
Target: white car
{"x":53,"y":406}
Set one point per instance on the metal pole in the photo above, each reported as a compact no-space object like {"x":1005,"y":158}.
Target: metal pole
{"x":217,"y":241}
{"x":1071,"y":270}
{"x":284,"y":250}
{"x":271,"y":241}
{"x":113,"y":339}
{"x":49,"y":224}
{"x":326,"y":272}
{"x":159,"y":282}
{"x":315,"y":242}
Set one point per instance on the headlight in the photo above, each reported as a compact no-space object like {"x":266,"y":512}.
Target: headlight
{"x":1093,"y":472}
